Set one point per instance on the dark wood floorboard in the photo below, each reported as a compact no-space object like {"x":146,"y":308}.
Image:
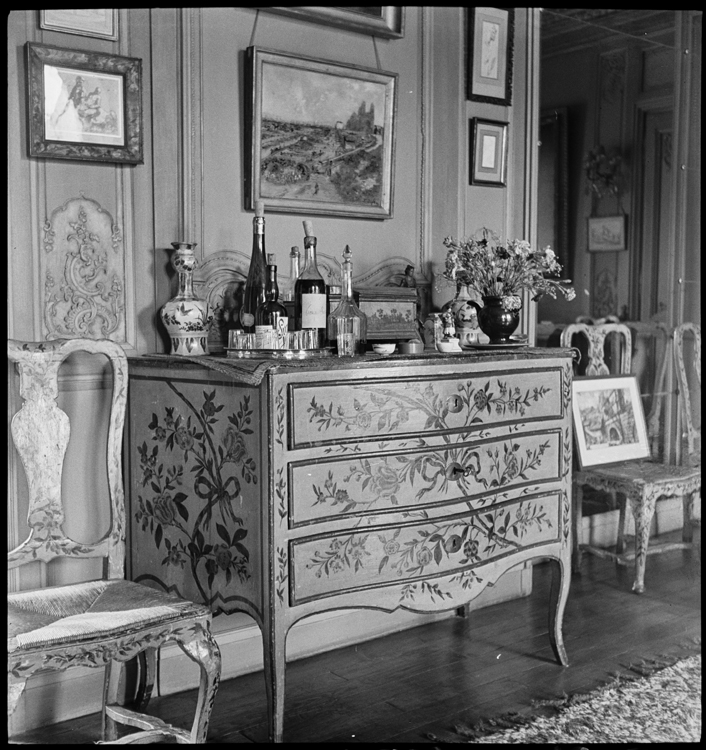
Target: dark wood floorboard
{"x":403,"y":687}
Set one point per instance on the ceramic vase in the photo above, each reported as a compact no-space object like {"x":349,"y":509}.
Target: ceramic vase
{"x":186,"y":317}
{"x":497,"y":322}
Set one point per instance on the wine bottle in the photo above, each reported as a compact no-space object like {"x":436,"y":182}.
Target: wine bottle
{"x":271,"y":323}
{"x":257,"y":273}
{"x":347,"y":324}
{"x":287,"y":293}
{"x":310,"y":296}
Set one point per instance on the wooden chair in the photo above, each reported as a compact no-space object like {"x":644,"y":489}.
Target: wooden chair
{"x":639,"y":483}
{"x":101,"y":623}
{"x":693,"y":434}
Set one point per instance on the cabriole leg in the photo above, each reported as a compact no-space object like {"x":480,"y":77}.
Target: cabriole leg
{"x":557,"y":603}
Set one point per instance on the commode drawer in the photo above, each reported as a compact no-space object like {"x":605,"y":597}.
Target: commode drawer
{"x":391,"y":555}
{"x":348,"y":411}
{"x":381,"y":482}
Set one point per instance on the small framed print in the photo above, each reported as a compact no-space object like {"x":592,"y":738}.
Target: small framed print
{"x":609,"y":422}
{"x":488,"y":152}
{"x":489,"y":49}
{"x":100,"y":23}
{"x":84,"y":105}
{"x":607,"y":233}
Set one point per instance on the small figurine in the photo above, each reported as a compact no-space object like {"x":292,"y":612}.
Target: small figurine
{"x":449,"y":326}
{"x":409,"y":281}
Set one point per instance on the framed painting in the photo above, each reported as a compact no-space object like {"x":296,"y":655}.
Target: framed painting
{"x":607,"y":233}
{"x":383,"y":20}
{"x":321,"y":135}
{"x":488,"y":152}
{"x":84,"y":105}
{"x":489,"y":51}
{"x":102,"y":24}
{"x":609,"y":421}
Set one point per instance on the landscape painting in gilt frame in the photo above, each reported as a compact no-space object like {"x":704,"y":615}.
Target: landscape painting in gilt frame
{"x":609,"y":421}
{"x":385,"y":21}
{"x":322,"y":136}
{"x":84,"y":105}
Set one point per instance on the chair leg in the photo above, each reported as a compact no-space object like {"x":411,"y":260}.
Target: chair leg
{"x":643,"y":509}
{"x":687,"y":533}
{"x":148,"y":673}
{"x":577,"y":518}
{"x":111,"y":692}
{"x":205,"y":652}
{"x":620,"y":542}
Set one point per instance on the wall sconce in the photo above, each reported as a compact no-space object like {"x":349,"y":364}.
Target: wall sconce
{"x":603,"y":171}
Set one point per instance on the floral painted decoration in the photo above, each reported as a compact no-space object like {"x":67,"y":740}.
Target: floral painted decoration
{"x":493,"y":269}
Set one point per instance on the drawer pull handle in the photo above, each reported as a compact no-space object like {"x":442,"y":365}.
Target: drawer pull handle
{"x":456,"y":472}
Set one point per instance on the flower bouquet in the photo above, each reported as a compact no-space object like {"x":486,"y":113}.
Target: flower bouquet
{"x":496,"y":270}
{"x":499,"y":273}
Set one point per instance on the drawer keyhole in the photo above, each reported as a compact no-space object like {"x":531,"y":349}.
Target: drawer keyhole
{"x":454,"y":403}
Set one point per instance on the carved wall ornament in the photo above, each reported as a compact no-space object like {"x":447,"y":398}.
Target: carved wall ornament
{"x":83,"y":268}
{"x":613,"y":67}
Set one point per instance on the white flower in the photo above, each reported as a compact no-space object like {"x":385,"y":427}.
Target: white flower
{"x":511,"y":302}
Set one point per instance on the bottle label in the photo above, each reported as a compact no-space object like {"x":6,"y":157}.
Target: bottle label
{"x":264,"y":337}
{"x":246,"y":318}
{"x":313,"y":311}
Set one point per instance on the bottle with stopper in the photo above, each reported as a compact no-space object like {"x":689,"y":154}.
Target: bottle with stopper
{"x":310,"y":296}
{"x":347,"y":324}
{"x":288,"y":292}
{"x":271,"y":323}
{"x":257,"y":273}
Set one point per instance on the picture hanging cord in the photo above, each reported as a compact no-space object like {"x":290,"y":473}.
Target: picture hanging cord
{"x":377,"y":56}
{"x":254,"y":28}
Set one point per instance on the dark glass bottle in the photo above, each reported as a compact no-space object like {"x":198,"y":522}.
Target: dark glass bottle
{"x":257,"y":273}
{"x":310,"y":296}
{"x":271,"y":323}
{"x":347,"y":325}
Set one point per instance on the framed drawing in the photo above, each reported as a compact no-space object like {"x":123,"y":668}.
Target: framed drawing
{"x":102,"y":24}
{"x":384,"y":20}
{"x":606,"y":233}
{"x":321,"y":136}
{"x":488,"y":152}
{"x":609,"y":422}
{"x":84,"y":105}
{"x":489,"y":51}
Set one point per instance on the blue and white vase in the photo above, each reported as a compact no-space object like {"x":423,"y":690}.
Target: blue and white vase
{"x":186,"y":317}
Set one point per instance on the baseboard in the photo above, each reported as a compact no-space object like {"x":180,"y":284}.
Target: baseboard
{"x":601,"y":529}
{"x":60,"y":696}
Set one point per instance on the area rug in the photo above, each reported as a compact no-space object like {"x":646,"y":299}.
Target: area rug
{"x":662,"y":707}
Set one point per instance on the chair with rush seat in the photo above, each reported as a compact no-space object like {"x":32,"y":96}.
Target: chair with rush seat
{"x":639,"y":483}
{"x":101,"y":623}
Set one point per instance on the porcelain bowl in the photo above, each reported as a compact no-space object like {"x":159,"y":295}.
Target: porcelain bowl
{"x":448,"y":347}
{"x":384,"y":348}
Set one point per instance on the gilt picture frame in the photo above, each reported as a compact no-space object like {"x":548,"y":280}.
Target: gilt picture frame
{"x":386,"y":21}
{"x":609,"y":420}
{"x":321,"y":136}
{"x":489,"y":54}
{"x":83,"y":105}
{"x":98,"y":23}
{"x":607,"y":233}
{"x":488,"y":152}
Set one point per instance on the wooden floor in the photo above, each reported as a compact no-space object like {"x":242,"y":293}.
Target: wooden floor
{"x":401,"y":687}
